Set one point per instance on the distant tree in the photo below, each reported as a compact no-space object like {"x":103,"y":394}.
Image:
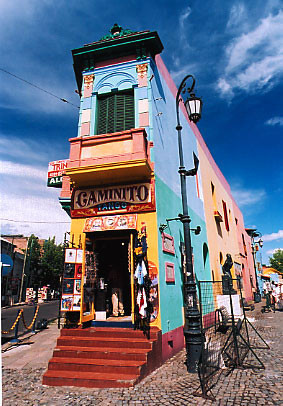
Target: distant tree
{"x":276,"y":261}
{"x":51,"y":264}
{"x":33,"y":259}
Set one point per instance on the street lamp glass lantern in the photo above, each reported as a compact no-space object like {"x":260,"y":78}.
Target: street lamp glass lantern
{"x":193,"y":106}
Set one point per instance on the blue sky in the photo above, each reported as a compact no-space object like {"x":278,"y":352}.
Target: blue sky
{"x":233,"y":48}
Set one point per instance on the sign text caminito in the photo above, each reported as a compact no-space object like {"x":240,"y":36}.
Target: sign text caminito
{"x":131,"y":194}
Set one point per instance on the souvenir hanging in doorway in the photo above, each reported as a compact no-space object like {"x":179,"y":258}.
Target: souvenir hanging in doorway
{"x":143,"y":307}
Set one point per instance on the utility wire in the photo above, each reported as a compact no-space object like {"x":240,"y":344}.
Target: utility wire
{"x":38,"y":222}
{"x":40,"y":88}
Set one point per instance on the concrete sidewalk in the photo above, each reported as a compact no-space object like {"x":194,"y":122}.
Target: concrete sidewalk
{"x":34,"y":350}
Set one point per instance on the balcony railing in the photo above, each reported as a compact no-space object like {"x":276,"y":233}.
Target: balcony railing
{"x":105,"y":158}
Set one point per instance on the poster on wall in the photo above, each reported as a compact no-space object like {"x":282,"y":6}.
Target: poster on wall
{"x":153,"y":293}
{"x":68,"y":286}
{"x":105,"y":223}
{"x":67,"y":303}
{"x":79,"y":257}
{"x":79,"y":271}
{"x":69,"y":271}
{"x":71,"y":284}
{"x":70,"y":255}
{"x":77,"y":288}
{"x":77,"y":302}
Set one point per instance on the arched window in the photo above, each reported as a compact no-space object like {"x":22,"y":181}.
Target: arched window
{"x":205,"y":254}
{"x":221,"y":258}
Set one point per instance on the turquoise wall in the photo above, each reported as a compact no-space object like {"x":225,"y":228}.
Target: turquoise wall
{"x":171,"y":294}
{"x":168,"y":197}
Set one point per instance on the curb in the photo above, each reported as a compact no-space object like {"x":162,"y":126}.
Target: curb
{"x":23,"y":337}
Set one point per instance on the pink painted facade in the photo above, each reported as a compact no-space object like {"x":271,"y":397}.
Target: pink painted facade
{"x":224,"y":220}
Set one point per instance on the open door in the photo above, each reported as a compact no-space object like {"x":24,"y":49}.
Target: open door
{"x":108,"y":270}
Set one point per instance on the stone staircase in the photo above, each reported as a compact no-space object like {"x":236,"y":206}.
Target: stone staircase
{"x":103,"y":357}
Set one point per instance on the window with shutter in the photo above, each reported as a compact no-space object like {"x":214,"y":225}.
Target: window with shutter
{"x":115,"y":112}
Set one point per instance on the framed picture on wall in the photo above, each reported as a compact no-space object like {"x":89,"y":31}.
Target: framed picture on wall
{"x":168,"y":244}
{"x":68,"y":286}
{"x":77,"y":288}
{"x":169,"y":272}
{"x":77,"y":302}
{"x":79,"y":271}
{"x":69,"y":271}
{"x":70,"y":255}
{"x":79,"y":257}
{"x":66,"y":303}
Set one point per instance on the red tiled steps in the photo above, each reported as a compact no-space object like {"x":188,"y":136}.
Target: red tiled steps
{"x":103,"y":357}
{"x":112,"y":342}
{"x":88,"y":379}
{"x":139,"y":354}
{"x":127,"y":367}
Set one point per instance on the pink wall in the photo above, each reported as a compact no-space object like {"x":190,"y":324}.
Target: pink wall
{"x":246,"y":259}
{"x":172,"y":343}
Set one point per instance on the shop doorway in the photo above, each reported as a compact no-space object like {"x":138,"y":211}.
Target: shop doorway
{"x":113,"y":252}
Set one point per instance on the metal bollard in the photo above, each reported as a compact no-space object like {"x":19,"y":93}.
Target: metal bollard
{"x":15,"y":339}
{"x":33,"y":326}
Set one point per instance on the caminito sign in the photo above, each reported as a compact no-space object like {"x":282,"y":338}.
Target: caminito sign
{"x":118,"y":198}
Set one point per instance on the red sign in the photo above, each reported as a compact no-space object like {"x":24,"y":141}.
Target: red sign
{"x":56,"y":170}
{"x":120,"y":199}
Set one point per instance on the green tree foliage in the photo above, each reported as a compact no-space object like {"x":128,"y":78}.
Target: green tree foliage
{"x":51,"y":264}
{"x":276,"y":261}
{"x":33,"y":259}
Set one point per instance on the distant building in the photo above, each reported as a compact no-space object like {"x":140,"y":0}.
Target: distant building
{"x":12,"y":262}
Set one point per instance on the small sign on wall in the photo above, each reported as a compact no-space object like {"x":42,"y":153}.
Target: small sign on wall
{"x":168,"y":243}
{"x":169,"y":272}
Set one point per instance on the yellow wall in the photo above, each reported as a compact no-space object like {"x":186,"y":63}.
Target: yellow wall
{"x":228,"y":243}
{"x":147,"y":219}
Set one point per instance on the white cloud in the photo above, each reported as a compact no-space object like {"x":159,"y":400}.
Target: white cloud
{"x":275,"y":121}
{"x":246,"y":197}
{"x":273,"y":236}
{"x":26,"y":171}
{"x":179,"y":74}
{"x":237,"y":14}
{"x":28,"y":206}
{"x":185,"y":14}
{"x":255,"y":59}
{"x":272,"y":251}
{"x":27,"y":149}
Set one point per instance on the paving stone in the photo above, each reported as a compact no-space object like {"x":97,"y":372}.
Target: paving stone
{"x":169,"y":385}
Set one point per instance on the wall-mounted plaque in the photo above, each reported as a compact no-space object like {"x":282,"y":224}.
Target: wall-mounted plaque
{"x":168,"y":243}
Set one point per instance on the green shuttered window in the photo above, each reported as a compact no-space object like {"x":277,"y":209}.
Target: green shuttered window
{"x":115,"y":112}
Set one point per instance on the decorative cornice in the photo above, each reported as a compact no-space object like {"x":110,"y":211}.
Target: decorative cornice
{"x":142,"y":69}
{"x":88,"y":80}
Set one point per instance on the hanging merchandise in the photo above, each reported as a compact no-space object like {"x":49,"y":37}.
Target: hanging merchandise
{"x":141,"y":272}
{"x":89,"y":281}
{"x":141,"y":302}
{"x":143,"y":306}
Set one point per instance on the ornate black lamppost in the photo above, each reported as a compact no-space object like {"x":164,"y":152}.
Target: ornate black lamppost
{"x":255,"y":244}
{"x":192,"y":331}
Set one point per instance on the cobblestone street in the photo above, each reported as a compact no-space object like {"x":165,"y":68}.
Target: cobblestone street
{"x":169,"y":385}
